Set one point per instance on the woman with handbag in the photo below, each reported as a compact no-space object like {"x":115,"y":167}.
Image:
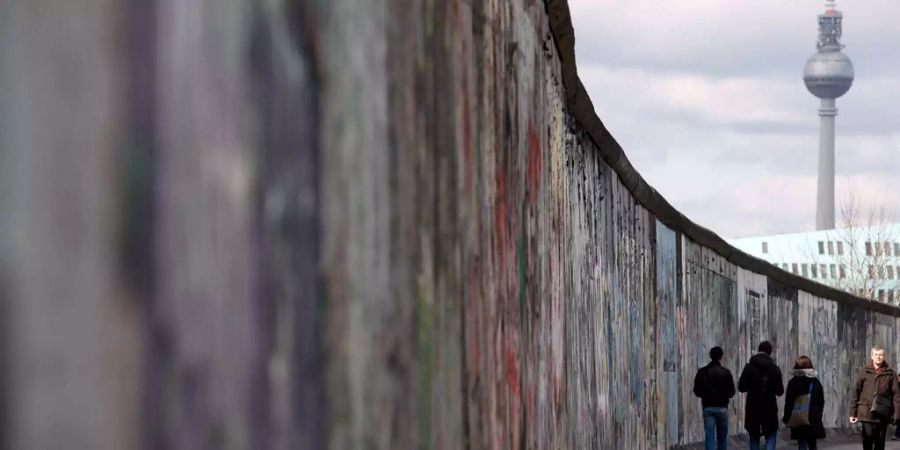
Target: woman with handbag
{"x":875,"y":400}
{"x":804,"y":401}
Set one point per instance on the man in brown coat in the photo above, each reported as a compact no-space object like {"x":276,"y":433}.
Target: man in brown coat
{"x":875,"y":400}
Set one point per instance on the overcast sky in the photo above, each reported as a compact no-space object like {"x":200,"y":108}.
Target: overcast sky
{"x":707,"y":99}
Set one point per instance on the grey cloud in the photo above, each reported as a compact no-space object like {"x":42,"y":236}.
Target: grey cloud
{"x":664,"y":140}
{"x":770,"y":39}
{"x":745,"y":126}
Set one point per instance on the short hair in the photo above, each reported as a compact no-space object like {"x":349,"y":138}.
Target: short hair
{"x":877,"y":348}
{"x":765,"y":347}
{"x":803,"y":362}
{"x":716,"y":353}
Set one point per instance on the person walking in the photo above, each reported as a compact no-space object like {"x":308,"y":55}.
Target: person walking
{"x":875,"y":400}
{"x":896,"y":435}
{"x":715,"y":386}
{"x":804,"y":402}
{"x":761,"y":380}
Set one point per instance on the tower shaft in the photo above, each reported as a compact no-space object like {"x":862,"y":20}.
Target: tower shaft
{"x":825,"y":192}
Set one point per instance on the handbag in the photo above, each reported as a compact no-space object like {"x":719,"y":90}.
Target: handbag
{"x":800,"y":413}
{"x":881,"y":405}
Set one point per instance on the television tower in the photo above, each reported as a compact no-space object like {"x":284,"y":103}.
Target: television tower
{"x":828,"y":75}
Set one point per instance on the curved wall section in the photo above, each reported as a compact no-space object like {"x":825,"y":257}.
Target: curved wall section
{"x":386,"y":224}
{"x":549,"y":297}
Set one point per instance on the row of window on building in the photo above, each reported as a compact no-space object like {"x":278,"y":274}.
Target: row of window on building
{"x":837,"y":248}
{"x":825,"y":271}
{"x":882,"y":248}
{"x":839,"y":271}
{"x":872,"y":248}
{"x":834,"y":247}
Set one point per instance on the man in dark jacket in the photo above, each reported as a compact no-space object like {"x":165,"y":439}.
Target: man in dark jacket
{"x":715,"y":386}
{"x":761,"y":380}
{"x":875,"y":383}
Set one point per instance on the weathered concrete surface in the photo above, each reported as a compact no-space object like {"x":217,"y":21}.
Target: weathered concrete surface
{"x":73,"y":350}
{"x":345,"y":224}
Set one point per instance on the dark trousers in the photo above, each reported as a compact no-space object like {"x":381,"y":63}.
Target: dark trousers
{"x":873,"y":434}
{"x":755,"y":438}
{"x":806,"y":444}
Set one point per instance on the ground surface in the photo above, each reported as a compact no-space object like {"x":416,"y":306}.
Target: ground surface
{"x":837,"y":440}
{"x":840,"y":443}
{"x":891,"y":445}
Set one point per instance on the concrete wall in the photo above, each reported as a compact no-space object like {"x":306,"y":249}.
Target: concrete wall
{"x":346,"y":224}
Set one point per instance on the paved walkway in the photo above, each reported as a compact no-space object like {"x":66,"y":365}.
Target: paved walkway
{"x":843,"y":444}
{"x":837,"y":440}
{"x":891,"y":445}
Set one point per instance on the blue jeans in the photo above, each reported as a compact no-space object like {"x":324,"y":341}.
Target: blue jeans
{"x":770,"y":441}
{"x":715,"y":423}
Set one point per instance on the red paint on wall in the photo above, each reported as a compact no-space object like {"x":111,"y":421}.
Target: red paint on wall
{"x":534,"y":164}
{"x":511,"y":369}
{"x":556,"y":390}
{"x":466,"y":122}
{"x":500,"y":217}
{"x":467,"y":134}
{"x":511,"y":377}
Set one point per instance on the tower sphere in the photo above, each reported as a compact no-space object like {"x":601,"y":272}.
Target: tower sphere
{"x":828,"y":74}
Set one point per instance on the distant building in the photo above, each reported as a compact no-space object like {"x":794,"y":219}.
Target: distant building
{"x":864,"y":260}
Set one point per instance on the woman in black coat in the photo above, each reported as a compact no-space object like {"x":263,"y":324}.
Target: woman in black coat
{"x":805,"y":377}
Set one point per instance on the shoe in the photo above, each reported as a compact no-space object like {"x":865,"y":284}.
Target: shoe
{"x":894,"y":438}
